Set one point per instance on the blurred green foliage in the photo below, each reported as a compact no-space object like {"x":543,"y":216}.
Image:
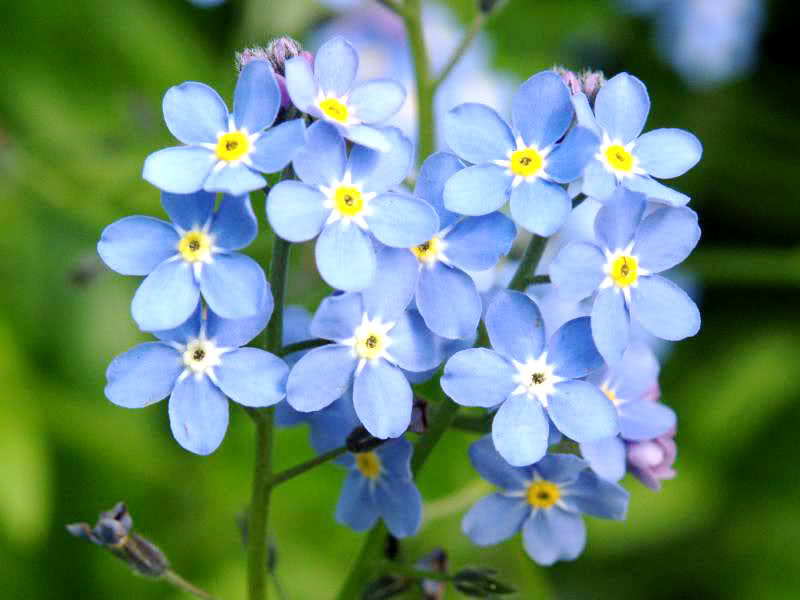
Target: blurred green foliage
{"x":81,"y":109}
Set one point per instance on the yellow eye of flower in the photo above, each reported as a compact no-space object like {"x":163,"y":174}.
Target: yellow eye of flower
{"x":610,"y":394}
{"x":195,"y":246}
{"x":428,"y":251}
{"x":334,"y":109}
{"x":543,"y":494}
{"x":232,"y":146}
{"x":349,"y":200}
{"x":619,"y":158}
{"x":370,"y":346}
{"x":625,"y":270}
{"x":526,"y":162}
{"x":369,"y":464}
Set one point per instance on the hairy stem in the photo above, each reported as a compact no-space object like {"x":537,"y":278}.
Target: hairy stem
{"x":527,"y":266}
{"x":412,"y":16}
{"x":292,"y":472}
{"x":179,"y":582}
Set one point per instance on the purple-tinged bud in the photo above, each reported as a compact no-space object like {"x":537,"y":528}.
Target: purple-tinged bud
{"x":487,"y":6}
{"x":435,"y":561}
{"x":586,"y":82}
{"x":651,"y":461}
{"x":277,"y":52}
{"x":419,"y":416}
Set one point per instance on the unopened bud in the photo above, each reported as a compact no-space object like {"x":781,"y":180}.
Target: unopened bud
{"x":388,"y":586}
{"x":360,"y":440}
{"x":277,"y":52}
{"x":479,"y":582}
{"x":435,"y":561}
{"x":487,"y":6}
{"x":586,"y":82}
{"x":419,"y":416}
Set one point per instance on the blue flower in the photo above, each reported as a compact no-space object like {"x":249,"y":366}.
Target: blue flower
{"x":328,"y":93}
{"x":346,"y":202}
{"x":545,"y":501}
{"x":224,"y":152}
{"x":374,"y":338}
{"x":192,"y":255}
{"x":434,"y":271}
{"x":526,"y":163}
{"x":620,"y":268}
{"x":625,"y":157}
{"x":523,"y":375}
{"x":197,"y":365}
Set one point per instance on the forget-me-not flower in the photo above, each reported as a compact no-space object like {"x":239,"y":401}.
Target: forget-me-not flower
{"x":192,"y":255}
{"x":198,"y":365}
{"x":545,"y":501}
{"x":327,"y":92}
{"x":525,"y":162}
{"x":626,"y":156}
{"x":621,"y":269}
{"x":524,"y":375}
{"x":346,"y":201}
{"x":224,"y":152}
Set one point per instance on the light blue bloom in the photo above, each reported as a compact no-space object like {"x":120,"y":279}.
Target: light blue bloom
{"x":524,"y":375}
{"x":621,"y":268}
{"x":224,"y":152}
{"x":328,"y":92}
{"x":374,"y":338}
{"x":197,"y":365}
{"x":346,"y":201}
{"x":626,"y":156}
{"x":545,"y":501}
{"x":525,"y":163}
{"x":191,"y":256}
{"x":434,"y":271}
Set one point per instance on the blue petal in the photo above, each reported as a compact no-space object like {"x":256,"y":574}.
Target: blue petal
{"x":606,"y":457}
{"x":414,"y":347}
{"x":610,"y":324}
{"x":433,"y":176}
{"x":621,"y":107}
{"x":186,"y":331}
{"x":296,"y":211}
{"x":598,"y":182}
{"x":666,"y":238}
{"x":542,"y":110}
{"x":335,"y":66}
{"x":357,"y":508}
{"x":520,"y":430}
{"x":234,"y":180}
{"x":337,"y":317}
{"x":493,"y":468}
{"x":667,"y":153}
{"x":166,"y":298}
{"x":394,"y":284}
{"x":300,"y":82}
{"x":198,"y":415}
{"x":382,"y":398}
{"x":235,"y":225}
{"x":584,"y":116}
{"x":478,"y":377}
{"x":379,"y":171}
{"x":276,"y":147}
{"x":401,"y":220}
{"x":400,"y":505}
{"x":478,"y":243}
{"x":664,"y":309}
{"x":137,"y":245}
{"x":515,"y":325}
{"x":477,"y":134}
{"x":252,"y":377}
{"x":368,"y":136}
{"x":345,"y":257}
{"x":477,"y":190}
{"x":320,"y":377}
{"x":567,"y":162}
{"x":180,"y":170}
{"x":637,"y":374}
{"x":195,"y":113}
{"x":376,"y":100}
{"x":189,"y":211}
{"x":286,"y":416}
{"x":233,"y":285}
{"x":540,"y":206}
{"x":322,"y":160}
{"x":561,"y":468}
{"x":296,"y":324}
{"x":597,"y":497}
{"x":642,"y":420}
{"x":577,"y":270}
{"x":143,"y":375}
{"x":233,"y":333}
{"x":618,"y":219}
{"x":448,"y":301}
{"x":331,"y":426}
{"x":395,"y":458}
{"x":572,"y":350}
{"x":494,"y":519}
{"x":554,"y":534}
{"x":257,"y":97}
{"x":655,"y":191}
{"x":582,"y":412}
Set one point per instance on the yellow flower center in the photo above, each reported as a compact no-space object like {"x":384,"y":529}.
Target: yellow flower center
{"x":349,"y":200}
{"x":526,"y":162}
{"x":369,"y":464}
{"x":232,"y":146}
{"x":195,"y":246}
{"x":625,"y":270}
{"x":428,"y":251}
{"x":619,"y":158}
{"x":371,"y":345}
{"x":610,"y":394}
{"x":543,"y":494}
{"x":334,"y":109}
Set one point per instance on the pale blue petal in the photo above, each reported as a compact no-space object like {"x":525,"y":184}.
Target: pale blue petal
{"x":561,"y":468}
{"x":493,"y":468}
{"x":540,"y":206}
{"x":357,"y":508}
{"x":379,"y":171}
{"x":137,"y":245}
{"x":277,"y":146}
{"x":606,"y":457}
{"x":577,"y":270}
{"x":637,"y":374}
{"x":478,"y":243}
{"x":395,"y":458}
{"x":667,"y":153}
{"x":335,"y":66}
{"x":666,"y":238}
{"x":382,"y":398}
{"x":572,"y":350}
{"x":477,"y":190}
{"x":541,"y":110}
{"x":655,"y":191}
{"x":234,"y":180}
{"x":584,"y":115}
{"x":554,"y":534}
{"x":320,"y":377}
{"x":477,"y":134}
{"x":300,"y":82}
{"x":567,"y":162}
{"x":582,"y":412}
{"x":616,"y":222}
{"x":322,"y":160}
{"x":400,"y":505}
{"x":233,"y":333}
{"x":494,"y":519}
{"x":337,"y":317}
{"x":520,"y":430}
{"x":478,"y":377}
{"x":401,"y":220}
{"x":180,"y":170}
{"x":664,"y":309}
{"x":252,"y":377}
{"x":432,"y":177}
{"x":598,"y":182}
{"x":143,"y":375}
{"x":331,"y":426}
{"x":233,"y":285}
{"x":296,"y":324}
{"x":642,"y":420}
{"x":369,"y":136}
{"x":516,"y":326}
{"x":296,"y":211}
{"x":394,"y":284}
{"x":414,"y":347}
{"x":448,"y":301}
{"x":189,"y":211}
{"x":257,"y":98}
{"x":195,"y":113}
{"x":166,"y":298}
{"x":597,"y":497}
{"x":621,"y":107}
{"x":377,"y":100}
{"x":186,"y":331}
{"x":235,"y":225}
{"x":345,"y":257}
{"x":611,"y":324}
{"x":198,"y":415}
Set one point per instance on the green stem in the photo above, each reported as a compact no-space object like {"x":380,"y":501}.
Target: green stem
{"x":371,"y":552}
{"x":292,"y":472}
{"x":437,"y":425}
{"x":469,"y":37}
{"x":179,"y":582}
{"x":473,"y":423}
{"x":304,"y":345}
{"x":527,"y":265}
{"x":418,"y":574}
{"x":412,"y":16}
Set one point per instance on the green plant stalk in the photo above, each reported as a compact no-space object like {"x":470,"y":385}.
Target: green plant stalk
{"x":304,"y":345}
{"x":179,"y":582}
{"x":293,"y":472}
{"x":371,"y":551}
{"x":412,"y":17}
{"x":527,"y":266}
{"x":469,"y":37}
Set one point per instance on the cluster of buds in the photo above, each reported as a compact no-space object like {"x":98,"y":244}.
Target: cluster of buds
{"x":276,"y":53}
{"x":584,"y":82}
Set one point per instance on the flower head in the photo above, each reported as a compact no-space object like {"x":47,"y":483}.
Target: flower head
{"x":651,"y":461}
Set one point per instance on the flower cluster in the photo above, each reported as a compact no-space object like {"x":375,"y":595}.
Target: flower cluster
{"x":566,"y":359}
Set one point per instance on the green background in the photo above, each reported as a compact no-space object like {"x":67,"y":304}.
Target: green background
{"x":79,"y":111}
